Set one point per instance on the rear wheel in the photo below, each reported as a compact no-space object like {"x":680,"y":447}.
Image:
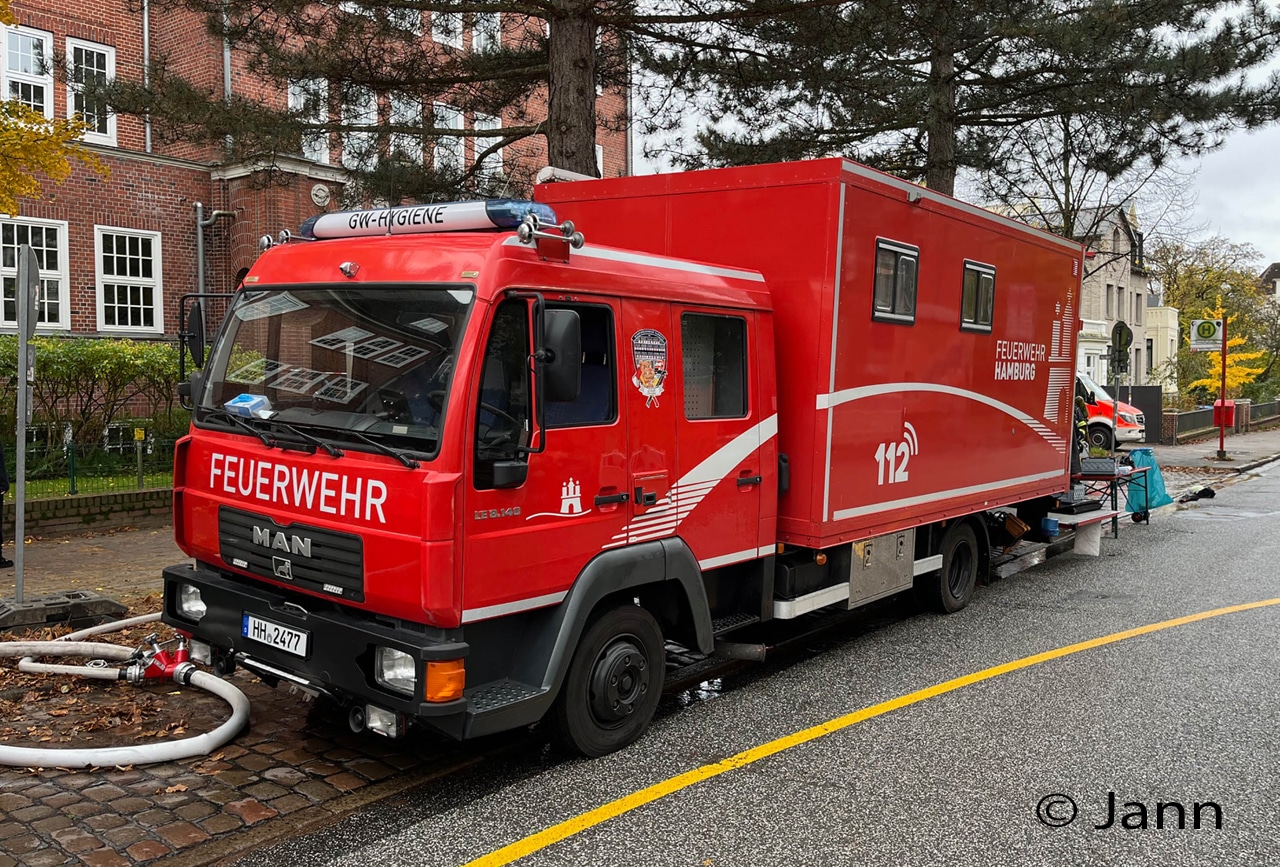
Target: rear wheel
{"x":951,"y":588}
{"x":613,"y":685}
{"x":1100,"y":436}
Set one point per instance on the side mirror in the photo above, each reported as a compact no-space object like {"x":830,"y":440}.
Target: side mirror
{"x":562,"y":338}
{"x":510,"y":474}
{"x":194,"y":334}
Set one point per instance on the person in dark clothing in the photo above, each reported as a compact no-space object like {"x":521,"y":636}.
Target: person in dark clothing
{"x":4,"y":489}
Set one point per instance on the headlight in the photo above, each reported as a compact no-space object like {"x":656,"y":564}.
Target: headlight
{"x":396,"y":670}
{"x":190,"y":605}
{"x":1128,"y":418}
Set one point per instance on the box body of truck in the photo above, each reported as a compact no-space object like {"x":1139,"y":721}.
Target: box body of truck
{"x":893,"y":412}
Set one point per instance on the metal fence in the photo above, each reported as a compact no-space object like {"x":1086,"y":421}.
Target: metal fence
{"x":59,"y":469}
{"x":1199,"y":419}
{"x":1264,"y":411}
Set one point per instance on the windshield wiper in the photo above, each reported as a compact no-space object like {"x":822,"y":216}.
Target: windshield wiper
{"x":267,"y":439}
{"x":385,"y":449}
{"x":329,"y":449}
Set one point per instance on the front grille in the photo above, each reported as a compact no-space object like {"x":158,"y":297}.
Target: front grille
{"x":321,"y":560}
{"x":1142,"y":419}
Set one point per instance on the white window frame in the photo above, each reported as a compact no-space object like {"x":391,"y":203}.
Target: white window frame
{"x":600,"y":160}
{"x":357,"y":146}
{"x":446,"y":29}
{"x":451,"y":154}
{"x":486,"y":31}
{"x":406,"y":109}
{"x":492,"y":165}
{"x":34,"y":79}
{"x":61,"y":274}
{"x":315,"y":145}
{"x":155,"y":281}
{"x":109,"y":136}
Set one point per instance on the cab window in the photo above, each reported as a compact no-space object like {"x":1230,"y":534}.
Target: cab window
{"x":503,"y":406}
{"x":715,"y":366}
{"x":597,"y":401}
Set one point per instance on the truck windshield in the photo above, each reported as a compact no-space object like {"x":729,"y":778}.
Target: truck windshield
{"x":352,"y":363}
{"x":1097,"y":391}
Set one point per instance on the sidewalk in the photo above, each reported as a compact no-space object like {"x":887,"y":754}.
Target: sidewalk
{"x":1244,"y":451}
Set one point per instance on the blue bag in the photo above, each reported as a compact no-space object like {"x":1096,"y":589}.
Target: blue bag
{"x":1154,"y":495}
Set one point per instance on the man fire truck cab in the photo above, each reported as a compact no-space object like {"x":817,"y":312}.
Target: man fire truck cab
{"x":455,"y":465}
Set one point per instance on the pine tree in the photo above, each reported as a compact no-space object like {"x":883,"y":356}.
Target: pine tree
{"x":921,"y":89}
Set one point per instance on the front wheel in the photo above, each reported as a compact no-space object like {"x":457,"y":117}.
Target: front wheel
{"x":1100,"y":436}
{"x":613,"y":685}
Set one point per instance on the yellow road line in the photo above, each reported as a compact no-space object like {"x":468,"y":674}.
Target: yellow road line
{"x":541,"y":840}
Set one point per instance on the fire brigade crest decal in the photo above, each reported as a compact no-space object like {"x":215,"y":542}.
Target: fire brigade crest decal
{"x":649,"y":353}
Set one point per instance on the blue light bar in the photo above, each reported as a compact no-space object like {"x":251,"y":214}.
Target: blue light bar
{"x":422,"y":219}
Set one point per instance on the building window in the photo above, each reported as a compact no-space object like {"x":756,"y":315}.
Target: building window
{"x":894,"y":298}
{"x":27,"y":70}
{"x":94,"y":65}
{"x":448,"y":155}
{"x":129,"y":283}
{"x":406,"y":111}
{"x":360,"y":148}
{"x":309,"y":99}
{"x":491,"y":165}
{"x":1137,"y":308}
{"x":1107,"y":297}
{"x":977,"y":298}
{"x":48,"y":239}
{"x":1120,"y":302}
{"x":714,"y":349}
{"x":446,"y":28}
{"x":1151,"y":351}
{"x":600,"y":161}
{"x":486,"y":31}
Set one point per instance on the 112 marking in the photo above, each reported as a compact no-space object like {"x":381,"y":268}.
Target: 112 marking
{"x":892,"y":457}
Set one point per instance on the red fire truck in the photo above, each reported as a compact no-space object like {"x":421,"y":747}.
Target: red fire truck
{"x":452,"y":465}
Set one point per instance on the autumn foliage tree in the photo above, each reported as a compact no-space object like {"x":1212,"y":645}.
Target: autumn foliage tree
{"x":1238,"y":373}
{"x":32,"y":145}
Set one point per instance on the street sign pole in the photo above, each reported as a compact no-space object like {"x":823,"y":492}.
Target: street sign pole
{"x":28,"y":289}
{"x":1222,"y":398}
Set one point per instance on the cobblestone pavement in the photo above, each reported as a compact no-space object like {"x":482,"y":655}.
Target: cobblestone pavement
{"x":295,"y":769}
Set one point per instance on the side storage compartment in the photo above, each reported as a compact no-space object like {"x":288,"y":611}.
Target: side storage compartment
{"x":881,"y":567}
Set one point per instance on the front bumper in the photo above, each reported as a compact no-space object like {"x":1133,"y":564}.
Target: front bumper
{"x":340,"y":649}
{"x":1130,"y":434}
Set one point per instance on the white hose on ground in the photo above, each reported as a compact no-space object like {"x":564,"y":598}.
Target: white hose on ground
{"x":163,"y":751}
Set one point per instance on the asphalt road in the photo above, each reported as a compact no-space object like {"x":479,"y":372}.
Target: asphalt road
{"x":1189,"y":713}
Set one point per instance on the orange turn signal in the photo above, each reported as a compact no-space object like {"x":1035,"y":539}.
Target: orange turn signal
{"x":446,"y":680}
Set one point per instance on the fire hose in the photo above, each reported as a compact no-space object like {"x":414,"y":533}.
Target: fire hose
{"x":148,"y":662}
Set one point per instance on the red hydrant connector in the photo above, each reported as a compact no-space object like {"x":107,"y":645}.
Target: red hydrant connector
{"x":159,"y":663}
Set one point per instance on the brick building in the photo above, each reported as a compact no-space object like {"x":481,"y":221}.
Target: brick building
{"x":117,"y":253}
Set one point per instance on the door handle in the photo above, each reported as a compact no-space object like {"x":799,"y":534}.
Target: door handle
{"x":610,"y":499}
{"x":743,"y":481}
{"x":646,"y":498}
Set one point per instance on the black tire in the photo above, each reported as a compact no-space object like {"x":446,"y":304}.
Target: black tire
{"x":1100,"y":436}
{"x":950,"y":588}
{"x":614,"y":682}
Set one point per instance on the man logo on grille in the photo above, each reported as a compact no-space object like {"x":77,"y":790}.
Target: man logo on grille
{"x":282,"y":567}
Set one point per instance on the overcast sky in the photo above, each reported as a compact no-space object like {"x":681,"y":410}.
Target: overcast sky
{"x":1239,"y":192}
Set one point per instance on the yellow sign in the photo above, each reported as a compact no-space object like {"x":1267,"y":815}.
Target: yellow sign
{"x":139,"y":433}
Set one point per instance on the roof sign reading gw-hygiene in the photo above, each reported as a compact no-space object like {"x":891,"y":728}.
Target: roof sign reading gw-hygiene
{"x":1206,"y":335}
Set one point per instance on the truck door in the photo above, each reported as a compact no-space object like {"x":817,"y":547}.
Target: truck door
{"x":650,"y":402}
{"x":524,"y":546}
{"x":719,"y":431}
